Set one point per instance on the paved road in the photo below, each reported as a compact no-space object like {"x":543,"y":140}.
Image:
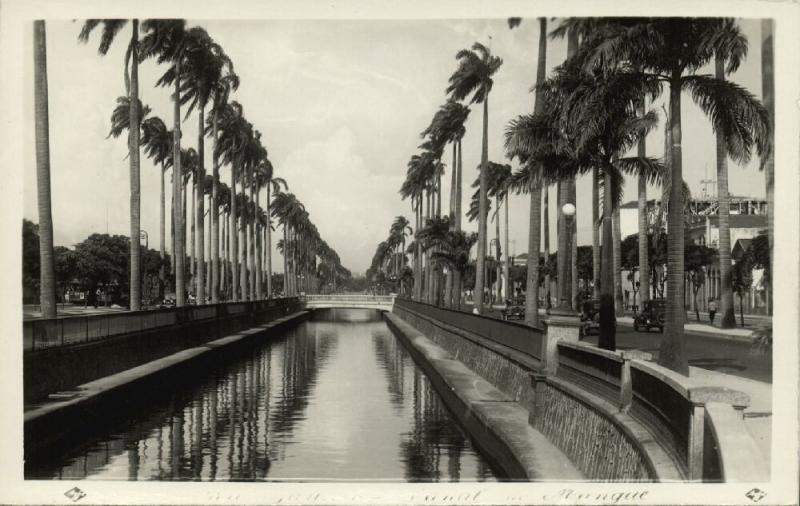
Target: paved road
{"x":714,"y":353}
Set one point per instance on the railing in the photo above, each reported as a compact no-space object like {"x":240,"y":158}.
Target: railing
{"x":513,"y":335}
{"x":47,"y":333}
{"x":670,"y":405}
{"x":349,"y":298}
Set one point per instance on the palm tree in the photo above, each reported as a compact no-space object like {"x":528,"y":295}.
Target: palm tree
{"x":164,"y":40}
{"x":672,"y":50}
{"x":453,"y":251}
{"x":728,"y":320}
{"x":588,"y":122}
{"x":274,"y":184}
{"x":474,"y":77}
{"x":206,"y":75}
{"x":47,"y":276}
{"x":768,"y":160}
{"x":111,"y":28}
{"x":157,"y":142}
{"x":230,"y":147}
{"x":263,"y":173}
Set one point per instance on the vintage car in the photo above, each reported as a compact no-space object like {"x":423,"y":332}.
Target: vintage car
{"x":514,"y":310}
{"x":590,"y":316}
{"x":651,"y":316}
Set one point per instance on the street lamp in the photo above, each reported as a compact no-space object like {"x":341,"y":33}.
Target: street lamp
{"x":565,"y":304}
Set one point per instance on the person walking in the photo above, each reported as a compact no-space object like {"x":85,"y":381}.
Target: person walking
{"x":712,"y":309}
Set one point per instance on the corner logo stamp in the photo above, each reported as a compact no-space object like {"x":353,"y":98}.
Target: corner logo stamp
{"x":755,"y":494}
{"x":75,"y":494}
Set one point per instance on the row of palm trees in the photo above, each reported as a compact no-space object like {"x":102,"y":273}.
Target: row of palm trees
{"x":203,"y":79}
{"x":589,"y":114}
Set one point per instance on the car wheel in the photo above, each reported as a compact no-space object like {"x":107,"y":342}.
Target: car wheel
{"x":661,"y":329}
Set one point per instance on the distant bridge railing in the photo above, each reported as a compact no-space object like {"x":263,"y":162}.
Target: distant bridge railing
{"x":349,"y":299}
{"x":69,"y":330}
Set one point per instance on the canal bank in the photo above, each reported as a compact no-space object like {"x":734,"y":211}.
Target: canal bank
{"x":331,"y":396}
{"x":76,"y":411}
{"x":496,"y":421}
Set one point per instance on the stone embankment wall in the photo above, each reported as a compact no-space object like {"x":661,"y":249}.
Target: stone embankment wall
{"x":616,"y":415}
{"x":58,"y":368}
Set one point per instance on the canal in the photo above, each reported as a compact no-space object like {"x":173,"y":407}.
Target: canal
{"x":336,"y":397}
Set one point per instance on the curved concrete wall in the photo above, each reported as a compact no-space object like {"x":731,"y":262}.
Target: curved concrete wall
{"x":617,"y":415}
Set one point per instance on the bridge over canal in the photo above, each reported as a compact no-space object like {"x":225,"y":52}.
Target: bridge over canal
{"x":356,"y":301}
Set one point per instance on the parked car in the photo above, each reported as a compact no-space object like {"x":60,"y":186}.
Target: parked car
{"x":590,"y":316}
{"x":651,"y":316}
{"x":514,"y":310}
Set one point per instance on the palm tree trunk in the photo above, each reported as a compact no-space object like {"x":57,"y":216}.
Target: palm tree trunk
{"x":192,"y":243}
{"x":259,"y":271}
{"x":47,"y":276}
{"x":177,"y":176}
{"x":498,"y":274}
{"x":563,"y":238}
{"x":215,"y":216}
{"x":573,"y":253}
{"x":608,"y":321}
{"x":482,"y":205}
{"x":534,"y":234}
{"x":223,"y":268}
{"x":251,"y":260}
{"x":672,"y":353}
{"x":768,"y":91}
{"x":243,"y":235}
{"x":133,"y":149}
{"x":546,"y":239}
{"x":201,"y":177}
{"x":506,"y":267}
{"x":162,"y":231}
{"x":644,"y":261}
{"x":285,"y":260}
{"x":595,"y":233}
{"x":728,"y":320}
{"x":619,"y":308}
{"x":269,"y":245}
{"x":535,"y":221}
{"x":172,"y":225}
{"x":233,"y":233}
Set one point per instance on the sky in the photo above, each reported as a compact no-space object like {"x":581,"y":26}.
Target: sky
{"x":340,"y":104}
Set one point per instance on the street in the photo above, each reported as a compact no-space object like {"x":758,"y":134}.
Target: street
{"x":716,"y":353}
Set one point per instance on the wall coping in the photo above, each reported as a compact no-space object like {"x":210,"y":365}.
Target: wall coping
{"x":523,"y":359}
{"x":739,"y":457}
{"x":689,"y":388}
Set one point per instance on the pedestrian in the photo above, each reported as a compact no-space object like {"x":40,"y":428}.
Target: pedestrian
{"x":712,"y":310}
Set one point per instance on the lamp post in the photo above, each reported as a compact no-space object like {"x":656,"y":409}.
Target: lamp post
{"x":492,"y":293}
{"x":565,"y":285}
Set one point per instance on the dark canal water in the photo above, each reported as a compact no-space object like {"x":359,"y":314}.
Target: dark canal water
{"x":334,"y":398}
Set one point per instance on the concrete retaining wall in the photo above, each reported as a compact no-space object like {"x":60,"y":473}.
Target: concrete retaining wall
{"x":61,"y":368}
{"x":601,"y":441}
{"x":55,"y":422}
{"x":497,"y":424}
{"x":616,"y":414}
{"x":507,"y":370}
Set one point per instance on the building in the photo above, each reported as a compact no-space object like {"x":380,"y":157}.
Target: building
{"x":748,"y":218}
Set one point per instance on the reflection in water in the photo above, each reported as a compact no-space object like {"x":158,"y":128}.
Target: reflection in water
{"x":337,"y":397}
